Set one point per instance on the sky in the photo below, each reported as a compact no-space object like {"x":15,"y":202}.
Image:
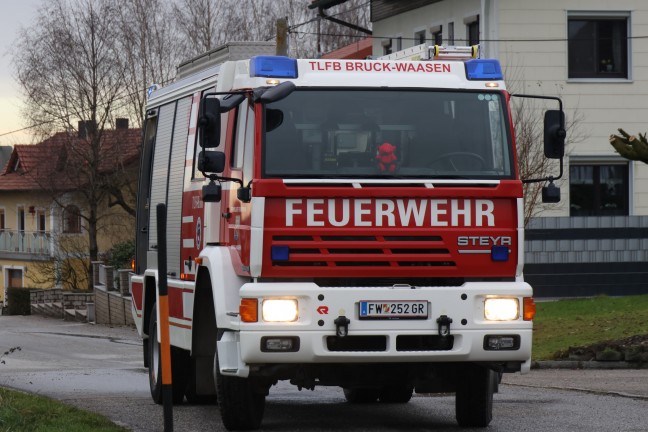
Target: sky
{"x":16,"y":14}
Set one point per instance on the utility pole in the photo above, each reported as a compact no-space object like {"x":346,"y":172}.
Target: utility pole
{"x":282,"y":36}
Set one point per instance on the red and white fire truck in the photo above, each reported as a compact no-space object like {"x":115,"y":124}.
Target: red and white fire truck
{"x":351,"y":223}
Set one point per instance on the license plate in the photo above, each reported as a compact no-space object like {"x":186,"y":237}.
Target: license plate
{"x":405,"y":309}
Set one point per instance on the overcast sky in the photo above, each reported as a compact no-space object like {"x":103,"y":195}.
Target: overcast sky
{"x":15,"y":14}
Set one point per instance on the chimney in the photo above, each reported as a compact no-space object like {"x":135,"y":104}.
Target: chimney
{"x":121,"y":123}
{"x":82,"y":129}
{"x":86,"y":128}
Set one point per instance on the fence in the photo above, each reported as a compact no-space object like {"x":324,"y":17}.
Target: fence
{"x":33,"y":242}
{"x":112,"y":304}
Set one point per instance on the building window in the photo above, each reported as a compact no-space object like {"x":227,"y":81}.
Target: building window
{"x":21,"y":219}
{"x":451,"y":40}
{"x":419,"y":37}
{"x":598,"y":46}
{"x":599,"y":190}
{"x":472,"y":30}
{"x":2,"y":219}
{"x":399,"y":43}
{"x":71,"y":220}
{"x":438,"y":36}
{"x":40,"y":220}
{"x":387,"y":46}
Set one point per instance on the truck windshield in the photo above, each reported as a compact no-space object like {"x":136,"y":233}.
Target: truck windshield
{"x":388,"y":133}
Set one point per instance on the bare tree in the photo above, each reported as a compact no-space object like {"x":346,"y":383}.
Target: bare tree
{"x":206,"y":24}
{"x":149,"y":49}
{"x":69,"y":70}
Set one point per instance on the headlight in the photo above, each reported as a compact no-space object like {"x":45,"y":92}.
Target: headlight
{"x":279,"y":310}
{"x":501,"y":309}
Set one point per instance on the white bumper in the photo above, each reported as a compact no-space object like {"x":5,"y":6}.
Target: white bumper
{"x":320,"y":306}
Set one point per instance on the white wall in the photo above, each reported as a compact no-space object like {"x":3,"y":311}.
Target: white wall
{"x":530,"y":39}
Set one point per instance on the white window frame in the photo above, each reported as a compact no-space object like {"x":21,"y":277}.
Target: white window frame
{"x":417,"y":33}
{"x":601,"y":14}
{"x":604,"y":160}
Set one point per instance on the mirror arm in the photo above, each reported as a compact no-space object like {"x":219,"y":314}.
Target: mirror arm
{"x":550,"y":179}
{"x":560,"y":104}
{"x":219,"y":179}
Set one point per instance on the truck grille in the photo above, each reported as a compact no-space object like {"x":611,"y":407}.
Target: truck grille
{"x":364,"y":250}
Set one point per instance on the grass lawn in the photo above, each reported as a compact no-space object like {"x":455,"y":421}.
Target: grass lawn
{"x":28,"y":413}
{"x":564,"y":323}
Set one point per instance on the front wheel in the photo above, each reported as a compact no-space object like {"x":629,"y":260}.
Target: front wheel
{"x":178,"y":365}
{"x":396,"y":393}
{"x":361,"y":395}
{"x":474,"y":398}
{"x":241,"y":404}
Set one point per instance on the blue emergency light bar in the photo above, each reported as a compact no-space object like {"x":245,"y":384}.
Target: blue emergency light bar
{"x":273,"y":67}
{"x":483,"y":69}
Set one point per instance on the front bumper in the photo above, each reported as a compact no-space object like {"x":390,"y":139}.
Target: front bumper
{"x":381,"y":341}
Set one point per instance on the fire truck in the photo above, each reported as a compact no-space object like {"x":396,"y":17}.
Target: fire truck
{"x":350,"y":223}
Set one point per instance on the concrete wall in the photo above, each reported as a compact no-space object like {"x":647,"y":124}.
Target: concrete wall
{"x":112,"y":308}
{"x":530,"y":39}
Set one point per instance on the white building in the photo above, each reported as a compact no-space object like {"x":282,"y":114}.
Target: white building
{"x":592,"y":54}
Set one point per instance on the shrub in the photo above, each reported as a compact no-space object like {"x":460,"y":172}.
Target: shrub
{"x":19,"y":301}
{"x":119,"y":256}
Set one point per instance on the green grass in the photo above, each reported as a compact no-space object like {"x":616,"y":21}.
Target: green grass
{"x":564,"y":323}
{"x":21,"y":412}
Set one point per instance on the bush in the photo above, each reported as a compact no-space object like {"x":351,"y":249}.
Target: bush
{"x":120,"y":255}
{"x":19,"y":301}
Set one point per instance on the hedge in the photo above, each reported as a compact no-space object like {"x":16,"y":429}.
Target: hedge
{"x":19,"y":301}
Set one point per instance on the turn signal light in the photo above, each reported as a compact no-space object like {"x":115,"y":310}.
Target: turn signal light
{"x":529,"y":309}
{"x":249,"y":310}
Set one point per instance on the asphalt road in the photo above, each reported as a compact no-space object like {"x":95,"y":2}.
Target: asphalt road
{"x":100,"y":369}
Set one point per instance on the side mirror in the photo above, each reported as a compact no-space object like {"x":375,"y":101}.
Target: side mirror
{"x":211,"y":161}
{"x":209,"y":122}
{"x":211,"y":192}
{"x":551,"y":193}
{"x":554,"y":134}
{"x":244,"y":194}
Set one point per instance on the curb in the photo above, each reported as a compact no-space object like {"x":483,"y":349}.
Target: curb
{"x":591,"y":364}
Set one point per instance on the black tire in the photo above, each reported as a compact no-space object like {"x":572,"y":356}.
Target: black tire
{"x":241,"y":404}
{"x":474,"y":398}
{"x":396,"y":394}
{"x":361,"y":395}
{"x":179,"y":365}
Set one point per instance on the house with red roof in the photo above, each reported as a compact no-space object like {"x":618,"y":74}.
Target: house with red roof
{"x":44,"y":194}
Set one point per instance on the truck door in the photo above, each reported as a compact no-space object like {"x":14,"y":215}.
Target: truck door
{"x":236,"y":226}
{"x":167,"y":180}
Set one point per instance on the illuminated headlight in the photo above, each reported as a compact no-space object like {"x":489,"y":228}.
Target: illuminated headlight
{"x":280,"y":310}
{"x":501,"y":309}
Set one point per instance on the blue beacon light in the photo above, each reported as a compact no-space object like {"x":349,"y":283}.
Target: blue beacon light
{"x":483,"y":69}
{"x":273,"y":67}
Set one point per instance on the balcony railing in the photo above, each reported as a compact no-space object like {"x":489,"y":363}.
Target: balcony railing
{"x":25,"y":242}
